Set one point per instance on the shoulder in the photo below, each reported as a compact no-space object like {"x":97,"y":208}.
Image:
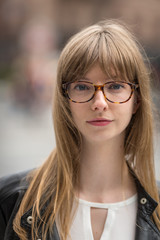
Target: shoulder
{"x":12,"y":184}
{"x":12,"y":189}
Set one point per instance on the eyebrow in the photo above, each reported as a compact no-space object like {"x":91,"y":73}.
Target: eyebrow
{"x":115,"y":78}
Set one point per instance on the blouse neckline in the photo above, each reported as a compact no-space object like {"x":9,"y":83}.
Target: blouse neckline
{"x":109,"y":205}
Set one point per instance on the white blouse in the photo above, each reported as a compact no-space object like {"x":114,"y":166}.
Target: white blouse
{"x":119,"y":225}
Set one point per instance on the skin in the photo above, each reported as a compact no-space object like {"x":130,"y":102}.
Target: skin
{"x":102,"y":156}
{"x":99,"y":107}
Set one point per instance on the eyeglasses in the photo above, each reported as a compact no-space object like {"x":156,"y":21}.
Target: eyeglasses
{"x":114,"y":91}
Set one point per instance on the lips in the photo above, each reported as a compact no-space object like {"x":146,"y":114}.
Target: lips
{"x":99,"y":122}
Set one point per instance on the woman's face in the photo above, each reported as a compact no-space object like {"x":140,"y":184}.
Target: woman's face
{"x":100,"y":120}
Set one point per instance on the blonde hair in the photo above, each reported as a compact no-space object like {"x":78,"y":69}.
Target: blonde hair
{"x":111,"y":45}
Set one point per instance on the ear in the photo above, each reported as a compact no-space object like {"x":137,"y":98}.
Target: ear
{"x":136,"y":103}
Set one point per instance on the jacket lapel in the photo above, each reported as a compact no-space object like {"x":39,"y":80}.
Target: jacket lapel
{"x":26,"y":222}
{"x":145,"y":227}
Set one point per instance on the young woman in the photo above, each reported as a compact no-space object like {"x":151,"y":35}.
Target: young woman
{"x":99,"y":182}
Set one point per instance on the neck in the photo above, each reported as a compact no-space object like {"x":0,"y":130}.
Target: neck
{"x":104,"y":175}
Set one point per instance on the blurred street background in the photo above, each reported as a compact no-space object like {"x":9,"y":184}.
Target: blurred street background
{"x":32,"y":34}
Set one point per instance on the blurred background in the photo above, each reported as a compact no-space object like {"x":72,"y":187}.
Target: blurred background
{"x":32,"y":34}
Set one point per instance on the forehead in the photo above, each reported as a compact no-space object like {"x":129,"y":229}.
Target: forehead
{"x":97,"y":73}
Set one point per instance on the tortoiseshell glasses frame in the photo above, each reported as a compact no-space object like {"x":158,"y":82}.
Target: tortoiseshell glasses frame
{"x":82,"y":91}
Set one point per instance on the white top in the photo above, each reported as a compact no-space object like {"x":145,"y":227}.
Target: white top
{"x":119,"y":225}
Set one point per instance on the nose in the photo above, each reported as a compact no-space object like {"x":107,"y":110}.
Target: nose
{"x":99,"y":102}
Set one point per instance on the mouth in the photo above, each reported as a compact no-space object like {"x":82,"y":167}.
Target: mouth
{"x":99,"y":122}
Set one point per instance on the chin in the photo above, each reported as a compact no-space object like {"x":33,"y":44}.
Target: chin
{"x":104,"y":138}
{"x":97,"y":139}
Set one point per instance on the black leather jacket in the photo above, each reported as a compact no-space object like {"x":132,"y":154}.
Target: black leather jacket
{"x":12,"y":190}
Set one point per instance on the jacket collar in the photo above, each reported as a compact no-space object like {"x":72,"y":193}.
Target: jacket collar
{"x":145,"y":202}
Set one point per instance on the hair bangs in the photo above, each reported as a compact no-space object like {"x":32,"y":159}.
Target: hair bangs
{"x":115,"y":58}
{"x":84,"y":55}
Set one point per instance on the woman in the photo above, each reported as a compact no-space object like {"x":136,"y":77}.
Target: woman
{"x":99,"y":183}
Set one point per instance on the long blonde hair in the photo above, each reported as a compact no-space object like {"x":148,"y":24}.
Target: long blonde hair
{"x":111,"y":45}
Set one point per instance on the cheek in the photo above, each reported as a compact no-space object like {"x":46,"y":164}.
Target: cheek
{"x":136,"y":103}
{"x":129,"y":113}
{"x":125,"y":113}
{"x":131,"y":106}
{"x":76,"y":112}
{"x":73,"y":109}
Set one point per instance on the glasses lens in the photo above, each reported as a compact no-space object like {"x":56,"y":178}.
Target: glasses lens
{"x":80,"y":91}
{"x":117,"y":91}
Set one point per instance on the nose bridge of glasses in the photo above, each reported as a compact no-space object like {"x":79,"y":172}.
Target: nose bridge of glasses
{"x":99,"y":88}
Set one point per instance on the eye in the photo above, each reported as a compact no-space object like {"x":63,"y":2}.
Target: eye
{"x":81,"y":86}
{"x":115,"y":86}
